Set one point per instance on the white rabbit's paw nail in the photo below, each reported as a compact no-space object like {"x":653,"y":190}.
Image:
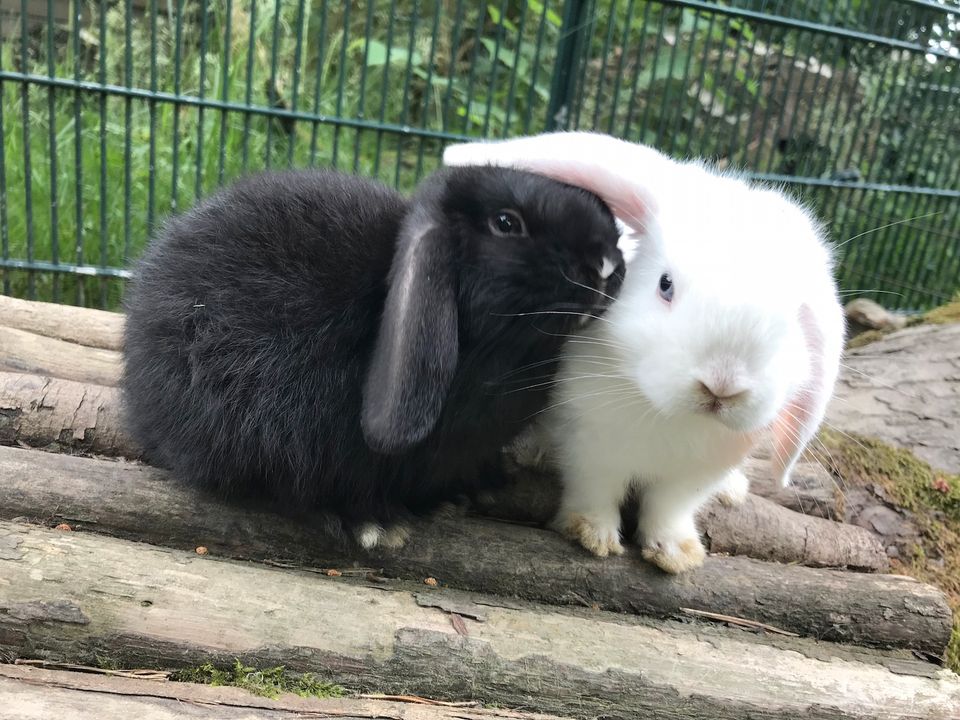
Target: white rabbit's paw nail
{"x":369,"y":535}
{"x":395,"y":537}
{"x":734,"y":489}
{"x":600,"y":539}
{"x":675,"y":556}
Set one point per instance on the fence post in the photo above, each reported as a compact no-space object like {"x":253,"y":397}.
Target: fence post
{"x":569,"y":49}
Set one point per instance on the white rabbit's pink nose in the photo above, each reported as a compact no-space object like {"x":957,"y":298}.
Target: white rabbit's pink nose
{"x":719,"y":391}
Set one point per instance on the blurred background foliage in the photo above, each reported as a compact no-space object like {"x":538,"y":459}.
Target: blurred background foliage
{"x":115,"y":114}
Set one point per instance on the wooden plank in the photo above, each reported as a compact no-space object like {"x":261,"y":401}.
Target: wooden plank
{"x":142,"y":503}
{"x":77,"y":597}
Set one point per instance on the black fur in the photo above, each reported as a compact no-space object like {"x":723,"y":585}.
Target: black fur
{"x":316,"y":339}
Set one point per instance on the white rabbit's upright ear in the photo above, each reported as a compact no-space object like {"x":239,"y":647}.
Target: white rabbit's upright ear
{"x":799,"y":421}
{"x":621,"y":173}
{"x":417,"y":345}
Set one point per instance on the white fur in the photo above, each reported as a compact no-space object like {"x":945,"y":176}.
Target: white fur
{"x":754,"y":312}
{"x":371,"y":535}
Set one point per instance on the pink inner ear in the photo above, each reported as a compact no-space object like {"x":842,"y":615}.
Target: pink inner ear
{"x":796,"y":424}
{"x":625,"y":198}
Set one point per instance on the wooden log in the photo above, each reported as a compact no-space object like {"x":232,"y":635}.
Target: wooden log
{"x":33,"y":693}
{"x":83,"y":326}
{"x":758,"y":528}
{"x":812,"y":490}
{"x":76,"y":597}
{"x":764,"y":530}
{"x":26,"y":352}
{"x":62,"y":415}
{"x":141,"y":503}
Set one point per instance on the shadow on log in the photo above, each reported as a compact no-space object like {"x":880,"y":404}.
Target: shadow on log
{"x":142,"y":503}
{"x":76,"y":597}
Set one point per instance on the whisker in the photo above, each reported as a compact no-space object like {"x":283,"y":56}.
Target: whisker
{"x":576,"y":398}
{"x":595,"y":359}
{"x":551,"y":312}
{"x":587,"y":287}
{"x":879,"y":383}
{"x":884,"y":227}
{"x":561,"y":380}
{"x":844,"y":293}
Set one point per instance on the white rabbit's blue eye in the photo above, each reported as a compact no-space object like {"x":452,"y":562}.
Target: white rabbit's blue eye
{"x":666,"y":287}
{"x":507,"y":222}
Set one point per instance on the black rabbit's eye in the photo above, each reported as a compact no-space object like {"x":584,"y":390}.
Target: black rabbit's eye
{"x":666,"y":287}
{"x":507,"y":222}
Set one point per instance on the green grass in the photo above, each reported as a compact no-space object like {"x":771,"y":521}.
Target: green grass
{"x":948,"y":313}
{"x":930,"y":498}
{"x":269,"y":682}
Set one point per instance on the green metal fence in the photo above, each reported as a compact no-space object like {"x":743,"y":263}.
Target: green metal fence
{"x":114,"y":114}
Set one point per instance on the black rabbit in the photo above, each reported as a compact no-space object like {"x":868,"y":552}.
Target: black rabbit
{"x":316,"y":339}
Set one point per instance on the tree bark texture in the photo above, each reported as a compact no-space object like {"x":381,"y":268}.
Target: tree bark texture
{"x":141,"y":503}
{"x":33,"y":693}
{"x":82,"y":326}
{"x":78,"y":597}
{"x":62,"y":415}
{"x":27,"y":352}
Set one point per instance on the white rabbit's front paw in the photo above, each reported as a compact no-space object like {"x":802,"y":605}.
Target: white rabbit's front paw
{"x":674,"y":555}
{"x":734,"y":488}
{"x":599,"y":537}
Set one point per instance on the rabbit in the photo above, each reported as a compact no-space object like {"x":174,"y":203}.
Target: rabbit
{"x":317,"y":341}
{"x":727,"y":329}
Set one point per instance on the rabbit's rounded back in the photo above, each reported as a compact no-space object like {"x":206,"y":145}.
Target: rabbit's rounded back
{"x":317,"y":339}
{"x":245,"y":319}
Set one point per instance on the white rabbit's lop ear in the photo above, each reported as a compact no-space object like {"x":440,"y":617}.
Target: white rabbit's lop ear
{"x":799,"y":421}
{"x":619,"y":172}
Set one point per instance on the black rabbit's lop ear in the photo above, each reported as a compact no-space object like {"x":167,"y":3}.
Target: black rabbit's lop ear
{"x":417,"y":345}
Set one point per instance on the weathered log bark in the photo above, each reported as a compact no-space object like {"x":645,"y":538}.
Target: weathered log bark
{"x":75,"y":597}
{"x":758,"y":528}
{"x":83,"y":326}
{"x":142,"y":503}
{"x":26,"y":352}
{"x":62,"y":415}
{"x":764,"y":530}
{"x":31,"y":693}
{"x":812,"y":491}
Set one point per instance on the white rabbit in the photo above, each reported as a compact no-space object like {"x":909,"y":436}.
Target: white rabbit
{"x":727,"y":326}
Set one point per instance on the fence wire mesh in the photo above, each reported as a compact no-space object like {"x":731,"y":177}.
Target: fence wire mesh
{"x":115,"y":114}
